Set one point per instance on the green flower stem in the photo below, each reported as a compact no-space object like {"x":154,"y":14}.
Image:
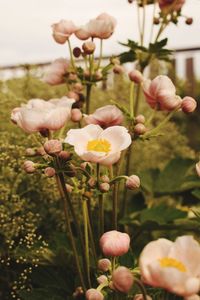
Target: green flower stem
{"x":131,"y":100}
{"x":86,"y":238}
{"x":101,"y":204}
{"x":71,"y":55}
{"x":152,"y":25}
{"x":127,"y":172}
{"x":100,"y":55}
{"x":139,"y":22}
{"x":88,"y":95}
{"x":141,"y":287}
{"x":69,"y":231}
{"x":102,"y":286}
{"x":143,"y":21}
{"x":118,"y":178}
{"x":93,"y":247}
{"x":115,"y":204}
{"x":137,"y":100}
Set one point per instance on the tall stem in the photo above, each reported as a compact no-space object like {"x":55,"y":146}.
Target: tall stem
{"x":152,"y":25}
{"x":85,"y":221}
{"x":71,"y":55}
{"x":143,"y":22}
{"x":131,"y":101}
{"x":141,"y":287}
{"x":100,"y":55}
{"x":101,"y":206}
{"x":115,"y":204}
{"x":137,"y":100}
{"x":88,"y":94}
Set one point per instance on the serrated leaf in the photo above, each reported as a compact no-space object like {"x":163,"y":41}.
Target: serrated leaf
{"x":129,"y":56}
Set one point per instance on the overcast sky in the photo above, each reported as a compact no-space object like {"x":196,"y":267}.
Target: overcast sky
{"x":25,"y":26}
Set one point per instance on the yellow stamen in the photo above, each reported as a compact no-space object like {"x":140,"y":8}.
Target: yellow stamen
{"x":167,"y":262}
{"x":100,"y":145}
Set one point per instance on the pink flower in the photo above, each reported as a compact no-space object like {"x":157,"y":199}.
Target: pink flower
{"x":133,"y":182}
{"x":63,"y":30}
{"x":76,"y":115}
{"x":104,"y":264}
{"x":49,"y":172}
{"x":136,"y":76}
{"x":198,"y":168}
{"x":29,"y":166}
{"x":105,"y":116}
{"x":171,"y":5}
{"x":93,"y":144}
{"x":122,"y":279}
{"x":93,"y":294}
{"x":160,"y":93}
{"x":188,"y":104}
{"x":53,"y":147}
{"x":174,"y":266}
{"x":114,"y":243}
{"x":56,"y":71}
{"x":38,"y":115}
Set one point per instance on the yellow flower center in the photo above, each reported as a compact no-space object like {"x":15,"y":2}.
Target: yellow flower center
{"x":167,"y":262}
{"x":100,"y":145}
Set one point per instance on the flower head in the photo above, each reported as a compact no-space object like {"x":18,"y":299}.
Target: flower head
{"x":56,"y":71}
{"x":93,"y":144}
{"x":114,"y":243}
{"x":171,"y":5}
{"x":63,"y":30}
{"x":174,"y":266}
{"x":122,"y":279}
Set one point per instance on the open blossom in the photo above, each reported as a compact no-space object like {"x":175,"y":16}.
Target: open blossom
{"x":114,"y":243}
{"x":160,"y":93}
{"x":93,"y":144}
{"x":56,"y":71}
{"x":174,"y":266}
{"x":105,"y":116}
{"x":171,"y":5}
{"x":63,"y":30}
{"x":38,"y":115}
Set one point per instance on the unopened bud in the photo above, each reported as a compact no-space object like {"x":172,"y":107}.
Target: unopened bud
{"x":93,"y":294}
{"x":69,"y":188}
{"x":40,"y":151}
{"x":76,"y":115}
{"x":118,"y":69}
{"x":115,"y":61}
{"x":77,"y":52}
{"x":72,"y":77}
{"x":133,"y":182}
{"x":49,"y":172}
{"x":156,"y":21}
{"x":140,"y":119}
{"x":136,"y":76}
{"x":188,"y":104}
{"x":78,"y":292}
{"x":29,"y":166}
{"x":78,"y":87}
{"x":98,"y":75}
{"x":189,"y":21}
{"x":105,"y":178}
{"x":104,"y":187}
{"x":102,"y":279}
{"x":104,"y":264}
{"x":30,"y":152}
{"x":140,"y":129}
{"x":53,"y":147}
{"x":92,"y":182}
{"x":122,"y":279}
{"x":88,"y":47}
{"x":64,"y":155}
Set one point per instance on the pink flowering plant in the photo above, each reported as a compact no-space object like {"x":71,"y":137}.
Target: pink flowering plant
{"x":90,"y":155}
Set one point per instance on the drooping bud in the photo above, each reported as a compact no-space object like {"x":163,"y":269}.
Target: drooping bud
{"x":114,"y":243}
{"x":102,"y":279}
{"x":64,"y":155}
{"x":76,"y":115}
{"x":122,"y":279}
{"x":136,"y":76}
{"x":104,"y":264}
{"x":104,"y":187}
{"x":189,"y":21}
{"x":93,"y":294}
{"x":140,"y":119}
{"x":49,"y":172}
{"x":29,"y":166}
{"x":53,"y":147}
{"x":77,"y":52}
{"x":188,"y":104}
{"x":40,"y":151}
{"x":118,"y":69}
{"x":156,"y":21}
{"x":30,"y":152}
{"x":139,"y":129}
{"x":133,"y":182}
{"x":88,"y":47}
{"x":198,"y":168}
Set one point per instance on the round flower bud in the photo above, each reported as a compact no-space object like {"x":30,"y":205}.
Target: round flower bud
{"x":114,"y":243}
{"x":136,"y":76}
{"x":53,"y":147}
{"x":198,"y":168}
{"x":49,"y":172}
{"x":73,"y":95}
{"x":88,"y":47}
{"x":78,"y":292}
{"x":104,"y":264}
{"x":139,"y":129}
{"x":102,"y":279}
{"x":30,"y":152}
{"x":77,"y":52}
{"x":115,"y":61}
{"x":69,"y":188}
{"x":188,"y":104}
{"x":76,"y":115}
{"x":140,"y":119}
{"x":98,"y":75}
{"x":64,"y":155}
{"x":130,"y":1}
{"x":29,"y":166}
{"x":118,"y":69}
{"x":133,"y":182}
{"x":189,"y":21}
{"x":140,"y":297}
{"x":122,"y":279}
{"x":105,"y":178}
{"x":156,"y":21}
{"x":93,"y":294}
{"x":40,"y":151}
{"x":78,"y":87}
{"x":104,"y":187}
{"x":92,"y":182}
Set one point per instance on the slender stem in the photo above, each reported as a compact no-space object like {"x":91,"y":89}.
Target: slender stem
{"x":141,"y":287}
{"x":137,"y":100}
{"x":127,"y":172}
{"x":131,"y":99}
{"x":152,"y":25}
{"x":93,"y":247}
{"x":100,"y":55}
{"x":69,"y":232}
{"x":88,"y":94}
{"x":71,"y":55}
{"x":101,"y":214}
{"x":115,"y":205}
{"x":87,"y":257}
{"x":139,"y":22}
{"x":143,"y":22}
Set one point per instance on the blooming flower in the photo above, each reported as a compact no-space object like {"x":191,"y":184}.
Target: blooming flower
{"x":174,"y":266}
{"x":160,"y":93}
{"x":39,"y":115}
{"x":171,"y":5}
{"x":63,"y":30}
{"x":93,"y":144}
{"x":114,"y":243}
{"x":106,"y":116}
{"x":56,"y":71}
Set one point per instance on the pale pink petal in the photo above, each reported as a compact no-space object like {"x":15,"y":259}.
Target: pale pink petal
{"x":118,"y":136}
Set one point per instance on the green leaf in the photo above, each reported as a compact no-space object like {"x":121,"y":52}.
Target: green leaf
{"x":148,"y":179}
{"x":196,"y":193}
{"x":129,"y":56}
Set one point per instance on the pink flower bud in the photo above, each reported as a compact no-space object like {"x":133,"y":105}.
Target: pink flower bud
{"x":122,"y":279}
{"x":53,"y":147}
{"x":64,"y":155}
{"x":76,"y":115}
{"x":136,"y":76}
{"x":29,"y":166}
{"x":115,"y":61}
{"x":30,"y":152}
{"x":77,"y":52}
{"x":140,"y":119}
{"x":105,"y":178}
{"x":104,"y":264}
{"x":139,"y":129}
{"x":40,"y":151}
{"x":78,"y":87}
{"x":188,"y":104}
{"x":140,"y":297}
{"x":73,"y":95}
{"x":118,"y":69}
{"x":93,"y":294}
{"x":88,"y":47}
{"x":114,"y":243}
{"x":69,"y":188}
{"x":63,"y":30}
{"x":102,"y":279}
{"x":198,"y":168}
{"x":92,"y":182}
{"x":49,"y":172}
{"x":133,"y":182}
{"x":104,"y":187}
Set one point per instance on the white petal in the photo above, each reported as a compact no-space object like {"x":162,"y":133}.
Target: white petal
{"x":118,"y":136}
